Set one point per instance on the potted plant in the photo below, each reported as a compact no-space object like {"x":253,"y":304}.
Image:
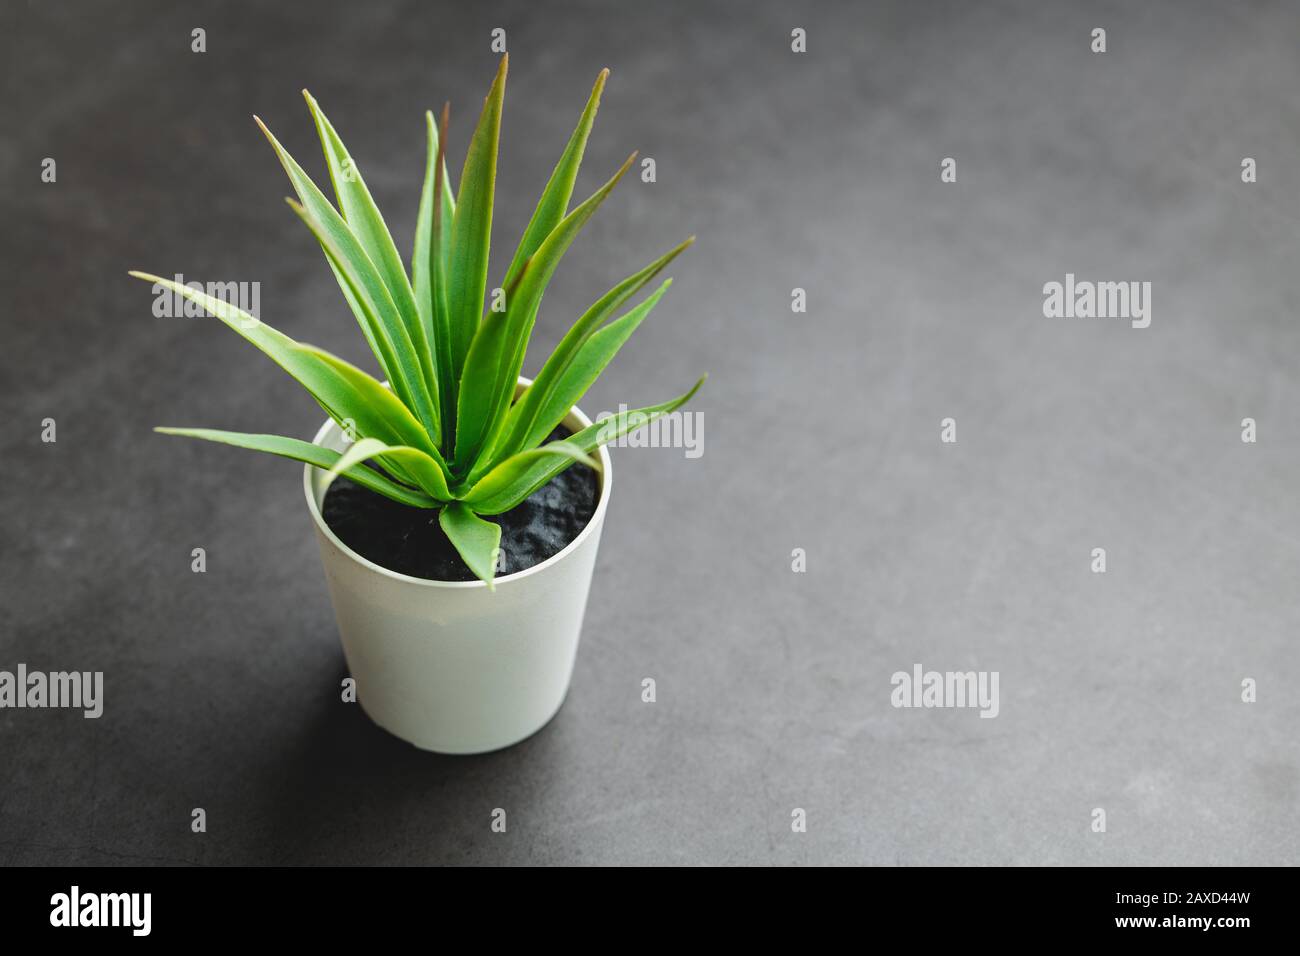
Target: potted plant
{"x":456,"y":448}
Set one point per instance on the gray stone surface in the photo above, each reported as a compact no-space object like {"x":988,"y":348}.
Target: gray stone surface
{"x":820,"y":171}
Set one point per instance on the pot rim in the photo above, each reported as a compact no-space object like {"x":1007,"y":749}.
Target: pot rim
{"x":575,"y":415}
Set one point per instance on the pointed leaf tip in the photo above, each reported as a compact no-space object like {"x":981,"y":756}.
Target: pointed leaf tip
{"x":268,"y":134}
{"x":613,"y":180}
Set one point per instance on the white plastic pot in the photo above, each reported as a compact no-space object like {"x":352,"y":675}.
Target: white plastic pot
{"x":448,"y":665}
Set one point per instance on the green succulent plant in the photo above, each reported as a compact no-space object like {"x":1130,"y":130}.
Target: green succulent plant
{"x":449,"y":433}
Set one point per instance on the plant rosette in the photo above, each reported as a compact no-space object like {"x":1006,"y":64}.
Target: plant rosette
{"x":456,"y":666}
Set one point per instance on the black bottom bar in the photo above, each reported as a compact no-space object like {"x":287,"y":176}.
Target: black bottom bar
{"x":1165,"y":906}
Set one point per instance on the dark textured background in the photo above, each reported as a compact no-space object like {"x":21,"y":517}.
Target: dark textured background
{"x":821,"y":171}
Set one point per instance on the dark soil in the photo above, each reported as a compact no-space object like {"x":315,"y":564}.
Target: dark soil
{"x":409,"y":541}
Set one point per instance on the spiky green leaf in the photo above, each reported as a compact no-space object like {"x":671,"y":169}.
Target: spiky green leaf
{"x":403,"y":429}
{"x":532,"y":417}
{"x":418,"y":464}
{"x":554,"y":204}
{"x":439,"y":210}
{"x":314,"y":201}
{"x":385,"y":321}
{"x":518,"y":466}
{"x":596,"y":353}
{"x":440,"y":189}
{"x":497,"y":354}
{"x":505,"y":486}
{"x":343,"y":390}
{"x":475,"y":540}
{"x":305,"y":451}
{"x":471,"y":229}
{"x":367,"y":224}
